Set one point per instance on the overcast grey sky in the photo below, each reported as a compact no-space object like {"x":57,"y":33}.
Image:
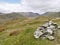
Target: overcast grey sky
{"x":38,"y":6}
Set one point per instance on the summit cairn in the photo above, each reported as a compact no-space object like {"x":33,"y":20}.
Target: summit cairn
{"x":46,"y":30}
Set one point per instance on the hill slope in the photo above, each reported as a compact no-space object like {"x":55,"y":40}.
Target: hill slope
{"x":26,"y":28}
{"x":52,"y":14}
{"x":13,"y":16}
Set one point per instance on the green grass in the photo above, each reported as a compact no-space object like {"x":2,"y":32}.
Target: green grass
{"x":25,"y":37}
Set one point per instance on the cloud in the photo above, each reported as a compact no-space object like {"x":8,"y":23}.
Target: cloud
{"x":13,"y":7}
{"x":6,"y":7}
{"x":42,"y":6}
{"x":38,"y":6}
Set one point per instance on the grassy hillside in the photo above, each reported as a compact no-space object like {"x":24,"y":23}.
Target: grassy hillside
{"x":52,"y":14}
{"x":16,"y":15}
{"x":10,"y":16}
{"x":20,"y":32}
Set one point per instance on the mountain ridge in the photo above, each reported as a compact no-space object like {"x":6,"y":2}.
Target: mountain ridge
{"x":52,"y":14}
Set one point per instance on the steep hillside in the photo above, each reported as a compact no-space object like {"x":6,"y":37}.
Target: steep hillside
{"x":52,"y":14}
{"x":10,"y":16}
{"x":29,"y":14}
{"x":16,"y":15}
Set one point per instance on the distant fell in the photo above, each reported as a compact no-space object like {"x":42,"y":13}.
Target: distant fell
{"x":52,"y":14}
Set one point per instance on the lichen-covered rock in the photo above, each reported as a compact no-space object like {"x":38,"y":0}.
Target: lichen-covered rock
{"x":47,"y":30}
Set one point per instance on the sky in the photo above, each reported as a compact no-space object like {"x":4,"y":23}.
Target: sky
{"x":11,"y":1}
{"x":37,"y":6}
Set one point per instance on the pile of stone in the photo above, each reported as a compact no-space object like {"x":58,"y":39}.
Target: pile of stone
{"x":46,"y":30}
